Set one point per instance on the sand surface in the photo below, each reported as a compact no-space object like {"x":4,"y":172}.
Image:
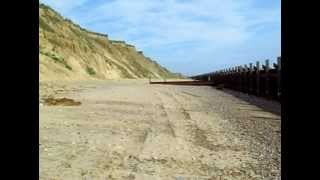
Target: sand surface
{"x":129,"y":129}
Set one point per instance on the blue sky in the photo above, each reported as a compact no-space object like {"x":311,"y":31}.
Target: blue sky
{"x":186,"y":36}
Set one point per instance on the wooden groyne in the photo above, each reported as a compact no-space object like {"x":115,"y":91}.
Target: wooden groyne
{"x":261,"y":81}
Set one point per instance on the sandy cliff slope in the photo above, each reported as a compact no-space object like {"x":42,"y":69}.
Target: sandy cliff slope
{"x":69,"y":52}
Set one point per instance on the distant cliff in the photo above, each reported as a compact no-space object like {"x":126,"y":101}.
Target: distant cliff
{"x":69,"y":52}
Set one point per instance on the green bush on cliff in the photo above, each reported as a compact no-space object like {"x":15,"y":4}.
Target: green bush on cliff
{"x":90,"y":71}
{"x":56,"y":59}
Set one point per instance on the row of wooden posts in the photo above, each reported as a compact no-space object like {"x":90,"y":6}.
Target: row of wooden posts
{"x":265,"y":81}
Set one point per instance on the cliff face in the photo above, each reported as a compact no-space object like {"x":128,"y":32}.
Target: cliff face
{"x":69,"y":52}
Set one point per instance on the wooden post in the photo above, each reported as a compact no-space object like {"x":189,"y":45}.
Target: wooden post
{"x":212,"y":76}
{"x":229,"y":77}
{"x":240,"y":78}
{"x":221,"y":77}
{"x":279,"y":77}
{"x":216,"y":77}
{"x":235,"y":75}
{"x":245,"y":76}
{"x":250,"y":78}
{"x":267,"y":90}
{"x":224,"y":76}
{"x":258,"y":78}
{"x":236,"y":80}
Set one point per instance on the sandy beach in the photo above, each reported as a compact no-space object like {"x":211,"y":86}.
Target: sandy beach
{"x":129,"y":129}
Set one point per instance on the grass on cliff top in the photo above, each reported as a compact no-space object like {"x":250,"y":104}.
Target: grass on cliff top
{"x":43,"y":6}
{"x":55,"y":18}
{"x":59,"y":18}
{"x":56,"y":59}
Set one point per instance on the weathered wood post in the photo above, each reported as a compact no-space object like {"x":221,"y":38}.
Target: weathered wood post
{"x":279,"y":77}
{"x":235,"y":74}
{"x":245,"y":74}
{"x":225,"y":74}
{"x":221,"y":77}
{"x":238,"y":78}
{"x":250,"y":78}
{"x":258,"y":78}
{"x":225,"y":77}
{"x":216,"y":77}
{"x":267,"y":90}
{"x":228,"y":77}
{"x":213,"y":76}
{"x":241,"y":78}
{"x":233,"y":77}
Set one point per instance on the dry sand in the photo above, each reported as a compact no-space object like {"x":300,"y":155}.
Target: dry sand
{"x":129,"y":129}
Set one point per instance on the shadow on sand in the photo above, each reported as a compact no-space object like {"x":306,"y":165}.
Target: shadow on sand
{"x":268,"y":105}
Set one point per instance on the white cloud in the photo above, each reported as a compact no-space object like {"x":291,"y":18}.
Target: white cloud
{"x":165,"y":24}
{"x":170,"y":21}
